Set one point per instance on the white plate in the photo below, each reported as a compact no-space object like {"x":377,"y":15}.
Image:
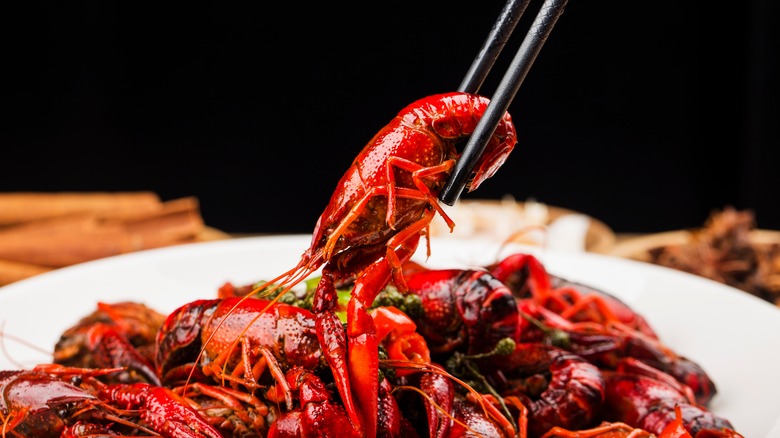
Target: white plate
{"x":734,"y":336}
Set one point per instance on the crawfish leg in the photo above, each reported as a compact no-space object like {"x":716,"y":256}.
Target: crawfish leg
{"x":422,"y":193}
{"x":353,"y":355}
{"x":333,"y":340}
{"x":363,"y":343}
{"x":406,"y":243}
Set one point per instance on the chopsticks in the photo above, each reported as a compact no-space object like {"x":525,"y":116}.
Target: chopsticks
{"x":540,"y":29}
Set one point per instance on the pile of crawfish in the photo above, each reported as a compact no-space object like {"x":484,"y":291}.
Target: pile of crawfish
{"x":502,"y":351}
{"x":357,"y":340}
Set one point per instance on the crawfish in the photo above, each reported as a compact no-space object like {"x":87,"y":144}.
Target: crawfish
{"x":211,"y":341}
{"x":527,"y":277}
{"x":39,"y":403}
{"x":53,"y":400}
{"x":597,"y":325}
{"x":373,"y":222}
{"x":280,"y":334}
{"x":260,"y":345}
{"x":652,"y":400}
{"x":464,"y":310}
{"x":471,"y":312}
{"x":114,"y":335}
{"x":607,"y":346}
{"x":608,"y":429}
{"x":557,"y":387}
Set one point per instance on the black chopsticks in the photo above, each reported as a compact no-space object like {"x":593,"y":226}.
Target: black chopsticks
{"x":507,"y":88}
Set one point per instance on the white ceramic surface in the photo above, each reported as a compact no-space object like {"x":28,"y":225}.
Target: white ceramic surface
{"x":734,"y":336}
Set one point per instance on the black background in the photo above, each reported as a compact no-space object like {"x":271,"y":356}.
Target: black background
{"x":645,"y":115}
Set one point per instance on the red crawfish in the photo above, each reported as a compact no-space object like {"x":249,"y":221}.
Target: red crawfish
{"x":654,"y":401}
{"x":53,"y":400}
{"x":527,"y":277}
{"x":239,"y":359}
{"x":608,"y":429}
{"x":525,"y":393}
{"x":470,"y":313}
{"x":470,"y":309}
{"x":256,"y":366}
{"x":373,"y":222}
{"x":464,"y":310}
{"x":557,"y":387}
{"x":448,"y":413}
{"x":597,"y":325}
{"x":118,"y":334}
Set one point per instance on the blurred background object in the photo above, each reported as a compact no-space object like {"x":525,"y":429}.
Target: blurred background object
{"x":726,"y":248}
{"x":40,"y":232}
{"x":528,"y":223}
{"x":645,"y":116}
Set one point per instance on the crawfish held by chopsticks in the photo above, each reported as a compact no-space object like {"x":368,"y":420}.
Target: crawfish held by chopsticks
{"x":372,"y":225}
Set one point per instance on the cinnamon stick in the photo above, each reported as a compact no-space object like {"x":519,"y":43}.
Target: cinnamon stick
{"x":22,"y":207}
{"x":179,"y":220}
{"x":57,"y":250}
{"x":88,"y":237}
{"x":12,"y":271}
{"x":77,"y":222}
